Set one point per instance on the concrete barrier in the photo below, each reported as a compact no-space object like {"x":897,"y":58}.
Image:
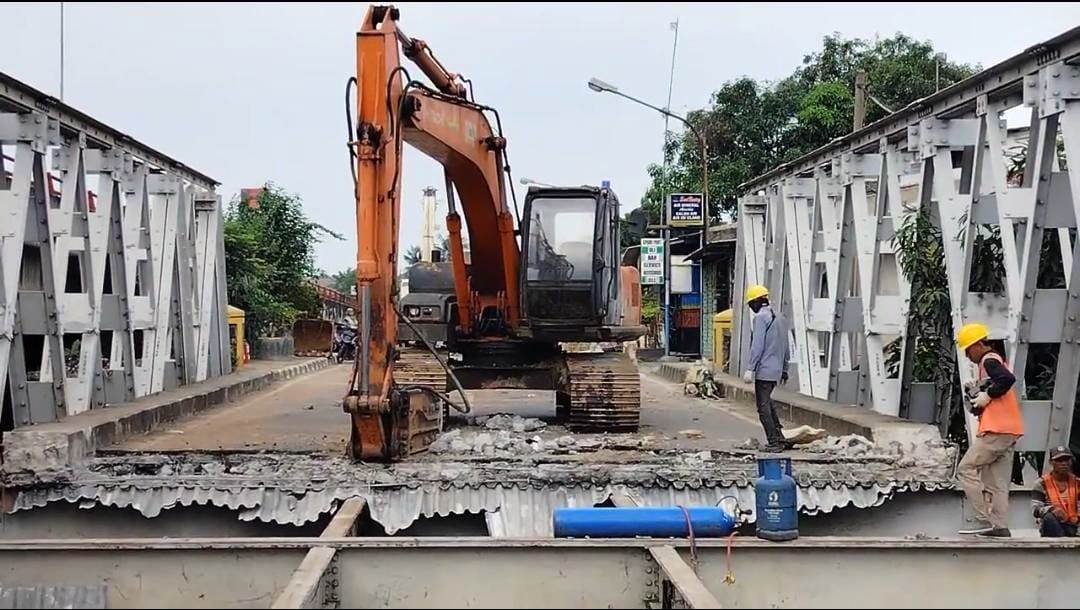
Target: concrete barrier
{"x":273,"y":348}
{"x":49,"y":450}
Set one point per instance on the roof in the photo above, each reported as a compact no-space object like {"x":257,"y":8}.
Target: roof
{"x":299,"y":488}
{"x":713,"y":250}
{"x":14,"y":91}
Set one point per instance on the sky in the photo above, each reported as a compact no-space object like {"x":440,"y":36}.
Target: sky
{"x":249,"y":93}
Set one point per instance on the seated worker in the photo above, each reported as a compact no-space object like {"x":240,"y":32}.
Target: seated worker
{"x":1054,"y":497}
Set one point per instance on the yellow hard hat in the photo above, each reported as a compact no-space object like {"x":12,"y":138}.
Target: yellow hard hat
{"x":971,"y":334}
{"x":756,"y":292}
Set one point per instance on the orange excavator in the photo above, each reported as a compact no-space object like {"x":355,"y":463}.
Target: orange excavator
{"x":534,"y":282}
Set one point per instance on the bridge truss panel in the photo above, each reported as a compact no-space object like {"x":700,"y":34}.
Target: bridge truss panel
{"x":111,"y":265}
{"x":820,"y":233}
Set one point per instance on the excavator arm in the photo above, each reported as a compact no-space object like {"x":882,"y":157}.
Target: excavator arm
{"x":389,"y":420}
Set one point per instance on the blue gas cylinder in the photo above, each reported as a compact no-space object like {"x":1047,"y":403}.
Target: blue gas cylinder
{"x":776,"y":498}
{"x":647,"y":521}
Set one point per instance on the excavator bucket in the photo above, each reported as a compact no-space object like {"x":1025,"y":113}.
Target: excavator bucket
{"x":313,"y":337}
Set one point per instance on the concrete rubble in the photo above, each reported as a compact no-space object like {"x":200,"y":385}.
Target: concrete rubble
{"x":927,"y":454}
{"x":509,"y":436}
{"x":511,"y":422}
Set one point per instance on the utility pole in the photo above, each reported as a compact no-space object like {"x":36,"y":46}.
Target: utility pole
{"x":61,"y":51}
{"x":860,"y":100}
{"x":939,"y":58}
{"x":664,"y":202}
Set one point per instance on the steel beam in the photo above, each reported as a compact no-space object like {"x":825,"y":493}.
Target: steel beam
{"x":315,"y":581}
{"x":681,"y":575}
{"x":551,"y":573}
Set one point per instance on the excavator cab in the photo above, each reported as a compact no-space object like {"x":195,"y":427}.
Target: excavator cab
{"x":570,"y":282}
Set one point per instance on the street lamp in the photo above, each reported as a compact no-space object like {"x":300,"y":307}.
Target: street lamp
{"x":528,"y":181}
{"x":600,"y":86}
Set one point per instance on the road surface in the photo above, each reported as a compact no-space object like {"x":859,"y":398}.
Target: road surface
{"x":304,"y":415}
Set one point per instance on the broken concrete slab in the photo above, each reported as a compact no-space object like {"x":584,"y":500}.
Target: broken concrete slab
{"x":48,"y":450}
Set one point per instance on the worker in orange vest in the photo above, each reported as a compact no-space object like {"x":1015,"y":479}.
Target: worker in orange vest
{"x":987,"y":466}
{"x":1055,"y":498}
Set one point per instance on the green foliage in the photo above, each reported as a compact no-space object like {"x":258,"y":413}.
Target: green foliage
{"x":412,"y":255}
{"x":344,"y":281}
{"x":921,"y":257}
{"x":824,"y":113}
{"x":269,"y":258}
{"x":752,"y":127}
{"x":987,"y":261}
{"x":650,"y":307}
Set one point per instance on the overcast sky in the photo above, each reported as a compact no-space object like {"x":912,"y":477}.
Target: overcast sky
{"x":251,"y":92}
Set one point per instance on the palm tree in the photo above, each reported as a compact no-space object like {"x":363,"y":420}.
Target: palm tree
{"x":344,"y":281}
{"x":444,"y":245}
{"x":412,"y":255}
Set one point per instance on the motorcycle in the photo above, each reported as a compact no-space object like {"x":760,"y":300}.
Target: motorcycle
{"x":344,"y":347}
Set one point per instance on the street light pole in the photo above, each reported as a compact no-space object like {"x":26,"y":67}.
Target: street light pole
{"x":600,"y":86}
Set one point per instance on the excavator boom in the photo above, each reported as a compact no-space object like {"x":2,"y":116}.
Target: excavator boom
{"x":570,"y":288}
{"x":393,"y":109}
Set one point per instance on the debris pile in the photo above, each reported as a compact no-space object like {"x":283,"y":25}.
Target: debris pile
{"x":700,"y":382}
{"x":504,"y":436}
{"x":511,"y":422}
{"x":929,"y":453}
{"x":501,"y":442}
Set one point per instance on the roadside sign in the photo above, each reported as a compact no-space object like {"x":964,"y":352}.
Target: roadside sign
{"x":652,"y":261}
{"x":686,"y":210}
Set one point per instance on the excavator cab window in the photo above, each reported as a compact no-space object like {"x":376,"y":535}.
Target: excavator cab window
{"x":561,"y":239}
{"x":561,"y":255}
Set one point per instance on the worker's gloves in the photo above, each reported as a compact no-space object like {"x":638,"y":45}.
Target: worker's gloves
{"x":748,"y":376}
{"x":783,"y":378}
{"x":979,"y":403}
{"x":971,"y":388}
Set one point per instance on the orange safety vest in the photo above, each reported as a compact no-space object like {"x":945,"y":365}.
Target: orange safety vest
{"x":1002,"y":414}
{"x":1068,"y":503}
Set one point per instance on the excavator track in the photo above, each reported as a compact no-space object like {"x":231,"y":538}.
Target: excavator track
{"x":416,"y":366}
{"x":605,"y":392}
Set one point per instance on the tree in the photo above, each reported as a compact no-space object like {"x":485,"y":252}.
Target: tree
{"x":444,"y":245}
{"x":344,"y":281}
{"x":270,"y":258}
{"x":412,"y":255}
{"x":752,"y":127}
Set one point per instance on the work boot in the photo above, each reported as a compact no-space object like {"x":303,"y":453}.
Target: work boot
{"x":997,"y":532}
{"x":776,"y":448}
{"x":978,"y":527}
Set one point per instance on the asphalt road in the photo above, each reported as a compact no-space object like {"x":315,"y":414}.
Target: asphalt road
{"x":304,"y":415}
